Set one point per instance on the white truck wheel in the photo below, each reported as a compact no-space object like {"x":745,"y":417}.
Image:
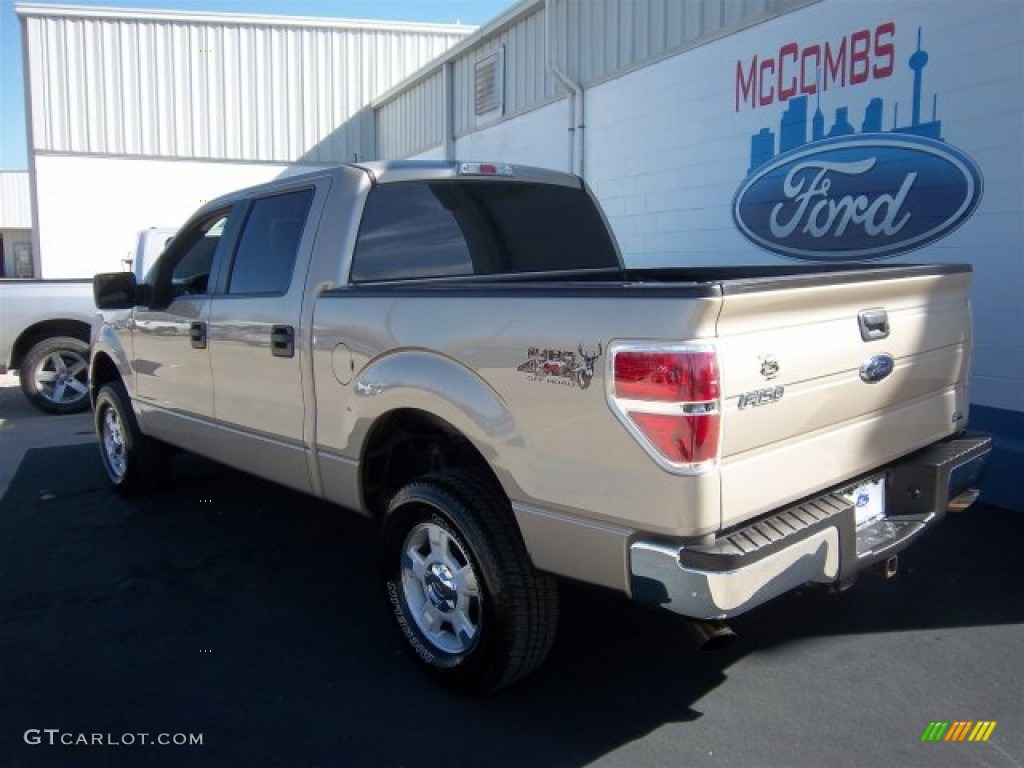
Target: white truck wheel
{"x":55,"y":375}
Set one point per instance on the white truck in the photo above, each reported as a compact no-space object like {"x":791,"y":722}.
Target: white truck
{"x":44,"y":330}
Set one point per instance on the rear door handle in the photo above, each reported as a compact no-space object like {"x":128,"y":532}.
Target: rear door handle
{"x":874,"y":324}
{"x":282,"y":341}
{"x":197,"y":334}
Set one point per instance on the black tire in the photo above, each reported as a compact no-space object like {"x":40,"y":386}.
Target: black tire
{"x":134,"y":463}
{"x":55,"y":375}
{"x":467,"y":601}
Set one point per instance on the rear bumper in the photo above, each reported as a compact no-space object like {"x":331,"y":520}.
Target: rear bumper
{"x":815,"y":541}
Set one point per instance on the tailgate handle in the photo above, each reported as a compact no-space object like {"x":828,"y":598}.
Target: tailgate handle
{"x":282,"y":341}
{"x":874,"y":324}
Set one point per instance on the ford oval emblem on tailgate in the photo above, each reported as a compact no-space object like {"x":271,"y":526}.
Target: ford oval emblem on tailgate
{"x":877,"y":368}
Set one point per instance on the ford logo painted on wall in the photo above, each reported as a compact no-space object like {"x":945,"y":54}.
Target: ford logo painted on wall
{"x":877,"y":368}
{"x":858,"y":197}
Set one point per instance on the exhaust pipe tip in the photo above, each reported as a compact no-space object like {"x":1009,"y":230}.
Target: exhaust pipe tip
{"x":963,"y":500}
{"x":710,"y":636}
{"x":886,"y":568}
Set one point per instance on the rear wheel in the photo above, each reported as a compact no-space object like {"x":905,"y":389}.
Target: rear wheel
{"x":55,"y":375}
{"x":134,"y":462}
{"x":466,"y":599}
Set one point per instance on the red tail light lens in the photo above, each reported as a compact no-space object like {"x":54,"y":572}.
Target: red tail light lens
{"x":680,"y":439}
{"x":671,"y":377}
{"x":668,"y":398}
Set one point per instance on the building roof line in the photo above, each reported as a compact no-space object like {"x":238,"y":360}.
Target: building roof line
{"x":46,"y":10}
{"x":498,"y":25}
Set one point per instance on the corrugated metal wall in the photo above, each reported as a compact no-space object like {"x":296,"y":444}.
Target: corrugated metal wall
{"x":211,"y":86}
{"x":15,"y":200}
{"x":526,"y":80}
{"x":598,"y":38}
{"x":413,"y":121}
{"x":593,"y":40}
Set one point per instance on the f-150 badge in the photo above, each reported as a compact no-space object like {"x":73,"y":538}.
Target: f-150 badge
{"x":557,"y":366}
{"x":761,"y":397}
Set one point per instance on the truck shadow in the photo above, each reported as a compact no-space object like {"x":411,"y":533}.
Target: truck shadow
{"x":234,"y":608}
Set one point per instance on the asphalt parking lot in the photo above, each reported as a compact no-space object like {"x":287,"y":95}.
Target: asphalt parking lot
{"x":248,"y":615}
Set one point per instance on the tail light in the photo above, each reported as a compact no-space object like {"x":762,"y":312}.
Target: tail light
{"x":668,"y":397}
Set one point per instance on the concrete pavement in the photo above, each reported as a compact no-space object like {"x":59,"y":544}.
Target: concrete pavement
{"x":251,"y":616}
{"x":23,"y":427}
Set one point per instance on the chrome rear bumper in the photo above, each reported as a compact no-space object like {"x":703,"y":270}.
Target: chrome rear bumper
{"x":815,"y":541}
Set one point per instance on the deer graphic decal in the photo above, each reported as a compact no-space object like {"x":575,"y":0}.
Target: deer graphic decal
{"x":583,"y":370}
{"x":562,"y":366}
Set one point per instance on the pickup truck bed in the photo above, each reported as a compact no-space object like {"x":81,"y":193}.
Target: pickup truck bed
{"x":457,"y":351}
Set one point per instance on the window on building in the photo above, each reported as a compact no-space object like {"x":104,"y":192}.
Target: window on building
{"x":269,"y":244}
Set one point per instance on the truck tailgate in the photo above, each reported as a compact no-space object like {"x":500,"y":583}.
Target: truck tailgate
{"x":826,"y":381}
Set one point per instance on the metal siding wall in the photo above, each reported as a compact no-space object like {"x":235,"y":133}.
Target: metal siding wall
{"x":595,"y":40}
{"x":412,"y":122}
{"x":526,"y":81}
{"x":15,"y":200}
{"x":598,"y":38}
{"x":216,"y":90}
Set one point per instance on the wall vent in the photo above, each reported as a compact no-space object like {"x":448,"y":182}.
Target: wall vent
{"x":489,"y":86}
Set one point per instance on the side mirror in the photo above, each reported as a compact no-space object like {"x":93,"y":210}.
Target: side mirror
{"x":115,"y":290}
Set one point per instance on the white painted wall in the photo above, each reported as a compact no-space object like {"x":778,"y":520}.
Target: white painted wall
{"x":539,"y":137}
{"x":90,"y":208}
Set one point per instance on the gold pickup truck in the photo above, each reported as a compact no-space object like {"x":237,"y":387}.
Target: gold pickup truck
{"x":457,"y":351}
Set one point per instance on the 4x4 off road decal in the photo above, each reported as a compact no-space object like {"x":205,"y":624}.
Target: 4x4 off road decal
{"x":836,"y":194}
{"x":558,"y":366}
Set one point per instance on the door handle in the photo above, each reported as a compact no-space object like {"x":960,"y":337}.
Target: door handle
{"x":874,"y":324}
{"x":282,"y":341}
{"x":197,"y":334}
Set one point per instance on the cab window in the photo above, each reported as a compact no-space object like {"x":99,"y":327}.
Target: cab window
{"x":269,"y":244}
{"x":457,"y":228}
{"x":184,"y":270}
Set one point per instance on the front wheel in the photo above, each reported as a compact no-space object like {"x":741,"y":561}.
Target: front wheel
{"x":55,"y":375}
{"x":134,"y":462}
{"x":466,"y":599}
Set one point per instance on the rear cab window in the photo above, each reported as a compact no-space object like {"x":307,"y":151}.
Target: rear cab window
{"x":267,"y":249}
{"x":462,"y":228}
